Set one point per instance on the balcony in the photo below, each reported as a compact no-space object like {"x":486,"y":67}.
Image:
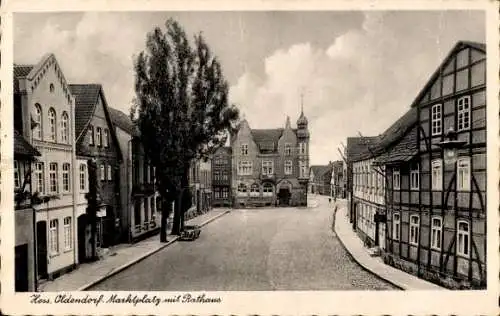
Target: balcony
{"x":143,"y":189}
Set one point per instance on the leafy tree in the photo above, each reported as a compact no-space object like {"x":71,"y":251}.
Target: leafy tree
{"x":182,"y":111}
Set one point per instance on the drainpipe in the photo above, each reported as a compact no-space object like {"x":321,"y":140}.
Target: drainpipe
{"x":128,"y":191}
{"x":74,"y":163}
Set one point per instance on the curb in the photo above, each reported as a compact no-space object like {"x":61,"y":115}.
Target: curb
{"x":362,"y":265}
{"x":142,"y":257}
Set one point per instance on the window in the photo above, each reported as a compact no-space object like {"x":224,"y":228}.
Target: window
{"x":436,"y":229}
{"x":414,"y":229}
{"x":216,"y":193}
{"x":99,"y":136}
{"x":17,"y":177}
{"x":244,"y":149}
{"x":146,"y":210}
{"x":267,"y":167}
{"x":267,"y":189}
{"x":91,"y":135}
{"x":437,"y":175}
{"x":54,"y":237}
{"x":254,"y":190}
{"x":39,"y":177}
{"x":66,"y":178}
{"x":83,"y":177}
{"x":52,"y":125}
{"x":288,"y":149}
{"x":242,"y":189}
{"x":302,"y":169}
{"x":109,"y":173}
{"x":414,"y":177}
{"x":288,"y":167}
{"x":216,"y":175}
{"x":463,"y":174}
{"x":245,"y":168}
{"x":37,"y":119}
{"x":463,"y":113}
{"x":137,"y":212}
{"x":106,"y":137}
{"x":396,"y":179}
{"x":463,"y":235}
{"x":65,"y":128}
{"x":68,"y":234}
{"x":302,"y":148}
{"x":51,"y":88}
{"x":102,"y":172}
{"x":396,"y":224}
{"x":436,"y":119}
{"x":225,"y":192}
{"x":53,"y":177}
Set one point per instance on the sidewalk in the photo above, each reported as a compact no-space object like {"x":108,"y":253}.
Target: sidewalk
{"x":354,"y":246}
{"x":123,"y":256}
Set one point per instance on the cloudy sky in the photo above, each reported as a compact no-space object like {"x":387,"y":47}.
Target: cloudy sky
{"x":358,"y":71}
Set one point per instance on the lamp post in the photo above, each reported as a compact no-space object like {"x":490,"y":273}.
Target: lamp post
{"x":450,"y":146}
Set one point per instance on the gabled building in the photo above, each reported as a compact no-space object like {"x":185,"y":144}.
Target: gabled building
{"x":96,"y":140}
{"x":140,"y":201}
{"x":337,"y":183}
{"x":200,"y":184}
{"x":25,"y":252}
{"x":221,"y":177}
{"x":270,"y":166}
{"x":320,"y":179}
{"x":44,"y":116}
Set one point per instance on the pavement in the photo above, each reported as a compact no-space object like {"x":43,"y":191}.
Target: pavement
{"x":253,"y":250}
{"x":354,"y":245}
{"x":120,"y":258}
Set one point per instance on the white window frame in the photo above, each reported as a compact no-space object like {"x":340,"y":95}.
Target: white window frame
{"x":288,"y":167}
{"x":66,"y":187}
{"x":106,"y":137}
{"x":83,"y":177}
{"x":17,"y":175}
{"x":242,"y":189}
{"x":244,"y":149}
{"x":461,"y":236}
{"x":68,"y":234}
{"x":254,"y":190}
{"x":53,"y":178}
{"x":65,"y":128}
{"x":245,"y":168}
{"x":414,"y":231}
{"x":396,"y":175}
{"x":436,"y":119}
{"x":38,"y":130}
{"x":99,"y":136}
{"x":396,"y":226}
{"x":267,"y":189}
{"x":437,"y":174}
{"x":288,"y":149}
{"x":463,"y":114}
{"x":90,"y":131}
{"x":302,"y":169}
{"x":52,"y":117}
{"x":109,"y":173}
{"x":463,"y":174}
{"x":414,"y":177}
{"x":54,"y":237}
{"x":436,"y":233}
{"x":302,"y":148}
{"x":267,"y":167}
{"x":39,"y":178}
{"x":102,"y":172}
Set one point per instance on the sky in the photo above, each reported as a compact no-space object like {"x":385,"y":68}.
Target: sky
{"x":357,"y":71}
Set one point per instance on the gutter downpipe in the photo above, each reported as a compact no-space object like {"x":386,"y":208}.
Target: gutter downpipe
{"x":73,"y":174}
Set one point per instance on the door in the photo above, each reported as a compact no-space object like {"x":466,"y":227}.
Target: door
{"x":284,"y":196}
{"x":82,"y":238}
{"x":41,"y":249}
{"x":21,"y":268}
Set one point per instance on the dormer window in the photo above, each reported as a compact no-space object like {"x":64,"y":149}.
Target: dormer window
{"x":91,"y":135}
{"x":99,"y":137}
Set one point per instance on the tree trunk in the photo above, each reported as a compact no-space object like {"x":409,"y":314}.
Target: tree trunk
{"x":185,"y":195}
{"x":176,"y":225}
{"x":166,"y":208}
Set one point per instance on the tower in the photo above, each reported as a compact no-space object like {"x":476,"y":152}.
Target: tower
{"x":303,"y":152}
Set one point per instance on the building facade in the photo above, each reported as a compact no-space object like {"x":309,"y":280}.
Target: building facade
{"x":25,"y":252}
{"x":338,"y":185}
{"x":221,"y":177}
{"x":320,"y":179}
{"x":270,"y":166}
{"x":43,"y":114}
{"x":200,"y":183}
{"x":437,"y":205}
{"x":96,"y":140}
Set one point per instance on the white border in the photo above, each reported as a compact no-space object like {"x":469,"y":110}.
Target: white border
{"x":292,"y":302}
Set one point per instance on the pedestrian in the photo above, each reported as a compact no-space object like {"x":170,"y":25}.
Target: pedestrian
{"x":329,"y":200}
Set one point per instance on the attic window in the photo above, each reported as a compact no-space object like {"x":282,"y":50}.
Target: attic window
{"x":51,"y":88}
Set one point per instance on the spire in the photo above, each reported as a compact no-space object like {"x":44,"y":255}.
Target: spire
{"x":302,"y":121}
{"x":302,"y":103}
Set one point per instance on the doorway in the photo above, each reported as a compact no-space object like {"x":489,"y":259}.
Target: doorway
{"x":284,"y":196}
{"x":21,"y":268}
{"x":41,"y":249}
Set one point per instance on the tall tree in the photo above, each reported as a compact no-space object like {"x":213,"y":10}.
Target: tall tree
{"x":182,"y":111}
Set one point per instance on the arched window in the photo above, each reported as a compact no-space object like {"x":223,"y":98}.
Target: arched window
{"x":242,"y":189}
{"x":37,"y":130}
{"x":65,"y":128}
{"x":51,"y":87}
{"x":267,"y":189}
{"x":52,"y":125}
{"x":254,"y":190}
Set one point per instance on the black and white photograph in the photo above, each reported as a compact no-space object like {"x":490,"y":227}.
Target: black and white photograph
{"x":202,"y":152}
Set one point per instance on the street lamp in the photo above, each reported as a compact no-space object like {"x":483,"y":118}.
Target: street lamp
{"x":450,"y":146}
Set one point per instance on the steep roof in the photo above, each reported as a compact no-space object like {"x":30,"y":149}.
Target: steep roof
{"x":321,"y":170}
{"x":123,"y":121}
{"x":267,"y":139}
{"x":403,"y":150}
{"x":20,"y":71}
{"x":22,"y":147}
{"x":86,"y":96}
{"x":358,"y":145}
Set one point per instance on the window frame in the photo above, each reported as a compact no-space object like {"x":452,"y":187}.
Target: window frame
{"x":109,"y":171}
{"x":52,"y":119}
{"x":83,"y":177}
{"x":436,"y":233}
{"x":267,"y":167}
{"x":265,"y":189}
{"x":460,"y":249}
{"x":55,"y":174}
{"x":288,"y":167}
{"x":464,"y":115}
{"x":65,"y":137}
{"x":414,"y":177}
{"x":463,"y":184}
{"x":99,"y":136}
{"x":106,"y":138}
{"x":102,"y":172}
{"x":396,"y":233}
{"x":437,"y":182}
{"x":90,"y":130}
{"x":244,"y":149}
{"x":54,"y":237}
{"x":66,"y":169}
{"x":436,"y":117}
{"x":288,"y":149}
{"x":39,"y":177}
{"x":37,"y":132}
{"x":396,"y":174}
{"x":68,"y":233}
{"x":414,"y":230}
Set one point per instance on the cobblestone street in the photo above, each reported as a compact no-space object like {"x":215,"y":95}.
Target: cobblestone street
{"x":254,"y":249}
